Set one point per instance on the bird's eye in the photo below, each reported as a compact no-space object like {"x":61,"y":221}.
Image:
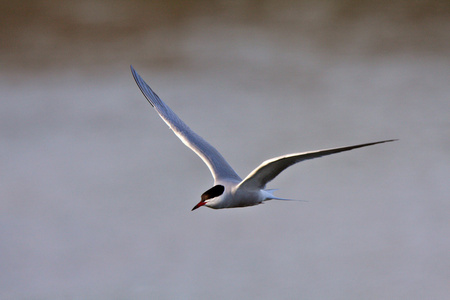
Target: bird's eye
{"x":213,"y":192}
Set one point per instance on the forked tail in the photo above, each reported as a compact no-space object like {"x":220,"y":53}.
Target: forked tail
{"x":271,"y":196}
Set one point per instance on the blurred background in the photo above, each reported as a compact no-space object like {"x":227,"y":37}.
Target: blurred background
{"x":96,"y":191}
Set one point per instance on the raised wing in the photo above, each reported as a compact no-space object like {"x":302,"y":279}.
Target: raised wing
{"x":218,"y":166}
{"x":269,"y":169}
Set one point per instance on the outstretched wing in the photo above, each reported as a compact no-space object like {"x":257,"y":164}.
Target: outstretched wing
{"x":218,"y":166}
{"x":269,"y":169}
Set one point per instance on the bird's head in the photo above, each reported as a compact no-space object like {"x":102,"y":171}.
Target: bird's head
{"x":210,"y":196}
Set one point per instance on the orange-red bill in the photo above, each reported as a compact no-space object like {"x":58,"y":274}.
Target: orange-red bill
{"x":201,"y":203}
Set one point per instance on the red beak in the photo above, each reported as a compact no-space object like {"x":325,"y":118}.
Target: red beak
{"x":201,"y":203}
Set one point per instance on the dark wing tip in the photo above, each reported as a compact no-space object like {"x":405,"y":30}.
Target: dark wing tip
{"x":149,"y":94}
{"x":135,"y":75}
{"x":384,"y":141}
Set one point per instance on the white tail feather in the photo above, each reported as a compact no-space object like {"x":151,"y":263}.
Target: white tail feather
{"x":272,"y":197}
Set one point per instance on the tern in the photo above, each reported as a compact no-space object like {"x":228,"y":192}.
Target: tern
{"x":229,"y":189}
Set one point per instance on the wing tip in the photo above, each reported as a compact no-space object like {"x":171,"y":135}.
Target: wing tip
{"x":386,"y":141}
{"x":143,"y":86}
{"x":133,"y":71}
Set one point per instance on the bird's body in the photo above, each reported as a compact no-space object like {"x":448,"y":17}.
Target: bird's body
{"x":233,"y":196}
{"x":229,"y":189}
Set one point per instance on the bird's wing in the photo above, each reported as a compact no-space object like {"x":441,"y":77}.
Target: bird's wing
{"x":269,"y":169}
{"x":218,"y":166}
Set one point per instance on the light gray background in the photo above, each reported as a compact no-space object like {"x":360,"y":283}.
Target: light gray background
{"x":96,"y":191}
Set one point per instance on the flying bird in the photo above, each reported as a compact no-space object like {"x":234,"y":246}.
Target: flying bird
{"x":229,"y":189}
